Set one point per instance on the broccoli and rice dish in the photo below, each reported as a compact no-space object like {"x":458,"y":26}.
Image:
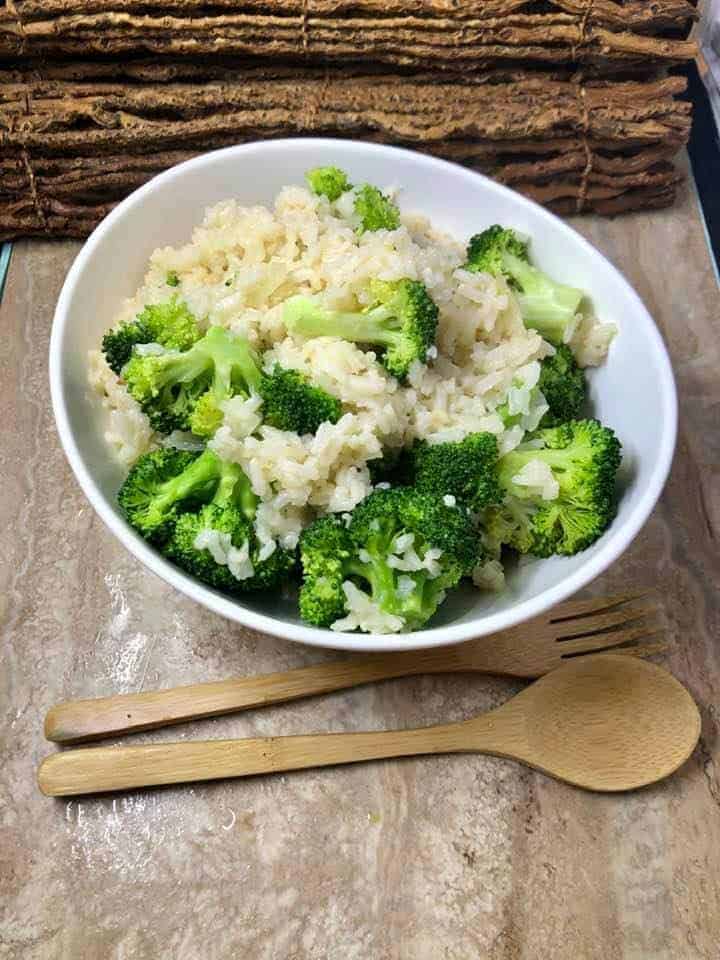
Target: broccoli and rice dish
{"x":332,"y":393}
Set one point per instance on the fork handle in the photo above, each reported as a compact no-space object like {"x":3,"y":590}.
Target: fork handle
{"x":103,"y":769}
{"x":80,"y":720}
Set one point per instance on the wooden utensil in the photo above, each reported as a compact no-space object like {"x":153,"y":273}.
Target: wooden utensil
{"x":603,"y":723}
{"x":530,"y":650}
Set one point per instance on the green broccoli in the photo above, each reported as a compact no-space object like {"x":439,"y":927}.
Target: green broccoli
{"x":584,"y":457}
{"x":290,"y":402}
{"x":367,"y":551}
{"x":172,"y":279}
{"x":402,"y":320}
{"x":184,"y":390}
{"x":170,"y":324}
{"x":545,"y":306}
{"x":173,"y":498}
{"x":465,"y":470}
{"x":164,"y":483}
{"x":562,"y":383}
{"x":326,"y":555}
{"x":330,"y":182}
{"x":375,"y":210}
{"x":218,"y":545}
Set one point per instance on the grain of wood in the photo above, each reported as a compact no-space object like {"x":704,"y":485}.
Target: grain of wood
{"x":66,"y":218}
{"x":553,"y":138}
{"x":637,"y":12}
{"x":45,"y":115}
{"x":400,"y":34}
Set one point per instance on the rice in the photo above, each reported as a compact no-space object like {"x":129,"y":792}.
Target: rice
{"x":352,"y":375}
{"x":364,"y":614}
{"x":591,"y":340}
{"x":127,"y":430}
{"x":278,"y":520}
{"x":327,"y":470}
{"x":221,"y":549}
{"x":537,"y":478}
{"x":240,"y":266}
{"x":489,"y":575}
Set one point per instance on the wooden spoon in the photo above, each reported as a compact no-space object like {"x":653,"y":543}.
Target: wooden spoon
{"x":603,"y":723}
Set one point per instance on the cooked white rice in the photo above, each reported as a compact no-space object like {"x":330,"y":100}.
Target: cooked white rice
{"x":221,"y":549}
{"x":364,"y":614}
{"x":127,"y":430}
{"x":239,"y":268}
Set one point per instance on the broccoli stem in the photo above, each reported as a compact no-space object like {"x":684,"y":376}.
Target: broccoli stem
{"x":208,"y":479}
{"x":356,"y":327}
{"x":230,"y":355}
{"x":559,"y":460}
{"x":512,"y":463}
{"x":546,"y":306}
{"x":234,"y":487}
{"x":419,"y":606}
{"x":183,"y":368}
{"x":383,"y":587}
{"x":201,"y":476}
{"x":379,"y":576}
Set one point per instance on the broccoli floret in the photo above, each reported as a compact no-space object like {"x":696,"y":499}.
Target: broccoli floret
{"x":583,"y":456}
{"x":235,"y":535}
{"x":386,"y":525}
{"x":326,"y":551}
{"x":172,"y":279}
{"x":330,"y":182}
{"x":375,"y":210}
{"x":465,"y":470}
{"x":164,"y":483}
{"x":291,"y":402}
{"x":563,"y":385}
{"x":184,"y":390}
{"x":218,"y":545}
{"x":170,"y":324}
{"x":117,"y":344}
{"x":545,"y":306}
{"x":172,"y":498}
{"x":402,"y":320}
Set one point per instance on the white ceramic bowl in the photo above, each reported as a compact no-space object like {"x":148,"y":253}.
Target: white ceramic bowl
{"x":633,"y":392}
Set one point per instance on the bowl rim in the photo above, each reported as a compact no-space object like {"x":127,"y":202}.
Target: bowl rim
{"x":614,"y":544}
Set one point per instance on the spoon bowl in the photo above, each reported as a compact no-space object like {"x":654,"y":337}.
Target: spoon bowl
{"x":603,"y":723}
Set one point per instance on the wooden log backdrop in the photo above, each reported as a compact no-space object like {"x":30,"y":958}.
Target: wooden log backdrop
{"x":568,"y":101}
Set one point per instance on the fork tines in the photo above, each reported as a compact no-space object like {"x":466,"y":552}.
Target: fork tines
{"x":611,"y":623}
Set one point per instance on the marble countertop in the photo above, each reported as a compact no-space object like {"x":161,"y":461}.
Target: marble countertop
{"x":448,"y":858}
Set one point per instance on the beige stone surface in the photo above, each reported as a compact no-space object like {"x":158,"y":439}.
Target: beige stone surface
{"x":432,"y":859}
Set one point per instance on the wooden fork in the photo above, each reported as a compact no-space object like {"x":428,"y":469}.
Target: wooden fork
{"x":577,"y":628}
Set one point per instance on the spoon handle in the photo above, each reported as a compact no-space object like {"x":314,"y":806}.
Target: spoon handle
{"x":79,"y":720}
{"x":101,"y":769}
